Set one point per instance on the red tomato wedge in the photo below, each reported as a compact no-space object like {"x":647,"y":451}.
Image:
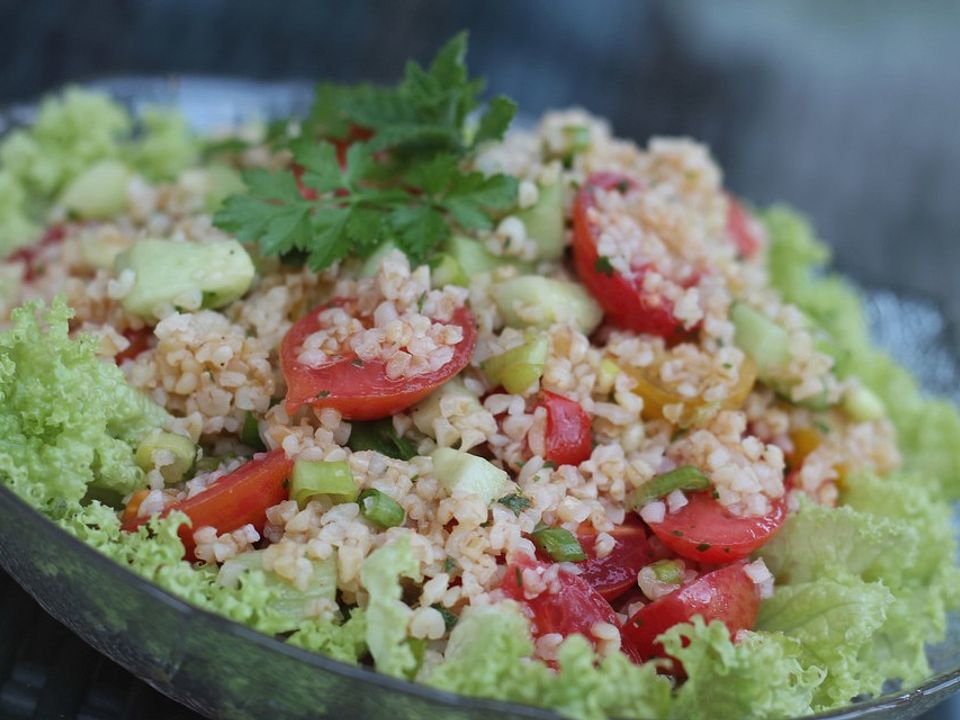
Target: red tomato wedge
{"x":234,"y":500}
{"x":568,"y":439}
{"x":703,"y":531}
{"x":575,"y":607}
{"x":139,"y":342}
{"x":616,"y":573}
{"x":362,"y":390}
{"x":626,"y":304}
{"x":727,"y":594}
{"x":738,"y":225}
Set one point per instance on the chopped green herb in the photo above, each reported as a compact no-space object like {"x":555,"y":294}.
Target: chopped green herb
{"x":623,"y":186}
{"x":381,"y":509}
{"x":357,"y":361}
{"x":559,"y":543}
{"x":686,"y":477}
{"x":449,"y":619}
{"x":518,"y":577}
{"x":668,"y":571}
{"x":250,"y":433}
{"x":450,"y":566}
{"x":822,"y":427}
{"x":603,"y":265}
{"x":703,"y":547}
{"x":322,"y":394}
{"x":379,"y":435}
{"x":678,"y":433}
{"x":678,"y":533}
{"x":518,"y":502}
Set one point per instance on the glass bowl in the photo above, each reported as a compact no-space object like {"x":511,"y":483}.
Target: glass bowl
{"x":223,"y":669}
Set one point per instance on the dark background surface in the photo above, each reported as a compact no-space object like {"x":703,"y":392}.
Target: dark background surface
{"x":849,"y":110}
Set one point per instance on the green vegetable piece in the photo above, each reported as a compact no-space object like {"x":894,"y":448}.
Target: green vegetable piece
{"x":381,"y":509}
{"x":579,"y":138}
{"x":175,"y":455}
{"x":100,"y":250}
{"x":445,"y":270}
{"x":222,"y":182}
{"x":862,"y":404}
{"x":250,"y":433}
{"x":428,"y":412}
{"x":449,"y":619}
{"x":534,"y":301}
{"x":312,"y":478}
{"x":99,"y":192}
{"x":607,"y":374}
{"x":761,"y":338}
{"x":559,"y":543}
{"x":371,"y":265}
{"x":475,"y":259}
{"x":668,"y":571}
{"x":380,"y":436}
{"x":544,"y":222}
{"x":520,"y":367}
{"x":465,"y":474}
{"x":166,"y":269}
{"x":517,"y":503}
{"x":686,"y":477}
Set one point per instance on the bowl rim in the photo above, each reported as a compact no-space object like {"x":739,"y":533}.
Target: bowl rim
{"x":163,"y":89}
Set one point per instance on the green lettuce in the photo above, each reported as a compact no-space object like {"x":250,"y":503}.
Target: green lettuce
{"x":167,"y":147}
{"x":489,"y":655}
{"x":387,"y":614}
{"x":759,"y":676}
{"x":928,"y":430}
{"x":67,"y":420}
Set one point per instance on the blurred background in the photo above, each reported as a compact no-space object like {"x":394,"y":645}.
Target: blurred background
{"x":848,"y":110}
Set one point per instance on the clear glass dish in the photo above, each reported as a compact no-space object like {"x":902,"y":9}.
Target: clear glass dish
{"x":222,"y":669}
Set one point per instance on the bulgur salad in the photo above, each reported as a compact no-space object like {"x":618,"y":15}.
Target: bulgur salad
{"x":531,"y":414}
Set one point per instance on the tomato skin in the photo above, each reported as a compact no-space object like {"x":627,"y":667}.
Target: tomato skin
{"x":362,"y":391}
{"x":624,"y":301}
{"x":139,"y":342}
{"x":703,"y":531}
{"x":738,"y":226}
{"x":568,"y":439}
{"x":727,"y":594}
{"x":616,"y":573}
{"x":574,"y":608}
{"x":237,"y":499}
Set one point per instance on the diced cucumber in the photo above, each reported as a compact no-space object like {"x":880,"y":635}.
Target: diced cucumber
{"x":534,"y":301}
{"x":474,"y":258}
{"x":445,"y":270}
{"x":98,"y":192}
{"x":465,"y":474}
{"x":175,"y":453}
{"x":371,"y":265}
{"x":222,"y":182}
{"x":862,"y":404}
{"x":427,"y":412}
{"x":99,"y":250}
{"x":544,"y":222}
{"x":286,"y":601}
{"x":520,"y":367}
{"x":767,"y":344}
{"x":166,"y":269}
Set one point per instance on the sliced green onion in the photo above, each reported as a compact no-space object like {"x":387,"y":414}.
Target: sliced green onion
{"x":312,"y":478}
{"x":668,"y":571}
{"x":250,"y":433}
{"x":559,"y":543}
{"x":380,"y":436}
{"x":686,"y":477}
{"x":180,"y":452}
{"x":381,"y":509}
{"x":518,"y":368}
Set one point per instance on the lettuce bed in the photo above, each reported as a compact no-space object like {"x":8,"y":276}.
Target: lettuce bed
{"x":860,"y":588}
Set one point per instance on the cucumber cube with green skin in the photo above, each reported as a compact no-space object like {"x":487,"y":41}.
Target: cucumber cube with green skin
{"x":98,"y":192}
{"x":761,"y":338}
{"x":518,"y":368}
{"x":534,"y":301}
{"x":474,"y":258}
{"x":544,"y":222}
{"x":175,"y":455}
{"x":222,"y":181}
{"x":445,"y":270}
{"x":465,"y":474}
{"x":167,"y":269}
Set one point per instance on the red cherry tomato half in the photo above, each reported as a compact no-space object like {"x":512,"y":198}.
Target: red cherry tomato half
{"x":727,"y":594}
{"x":28,"y":254}
{"x":234,"y":500}
{"x":703,"y":530}
{"x":626,"y":304}
{"x":139,"y":342}
{"x":575,"y":607}
{"x":615,"y":573}
{"x":361,"y":390}
{"x":568,"y":439}
{"x":738,"y":225}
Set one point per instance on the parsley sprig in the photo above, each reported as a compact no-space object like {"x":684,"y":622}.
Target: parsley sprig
{"x":408,"y":183}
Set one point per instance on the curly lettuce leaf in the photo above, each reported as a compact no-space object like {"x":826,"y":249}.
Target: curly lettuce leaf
{"x":67,"y":419}
{"x":759,"y":676}
{"x":490,"y":655}
{"x":387,"y":614}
